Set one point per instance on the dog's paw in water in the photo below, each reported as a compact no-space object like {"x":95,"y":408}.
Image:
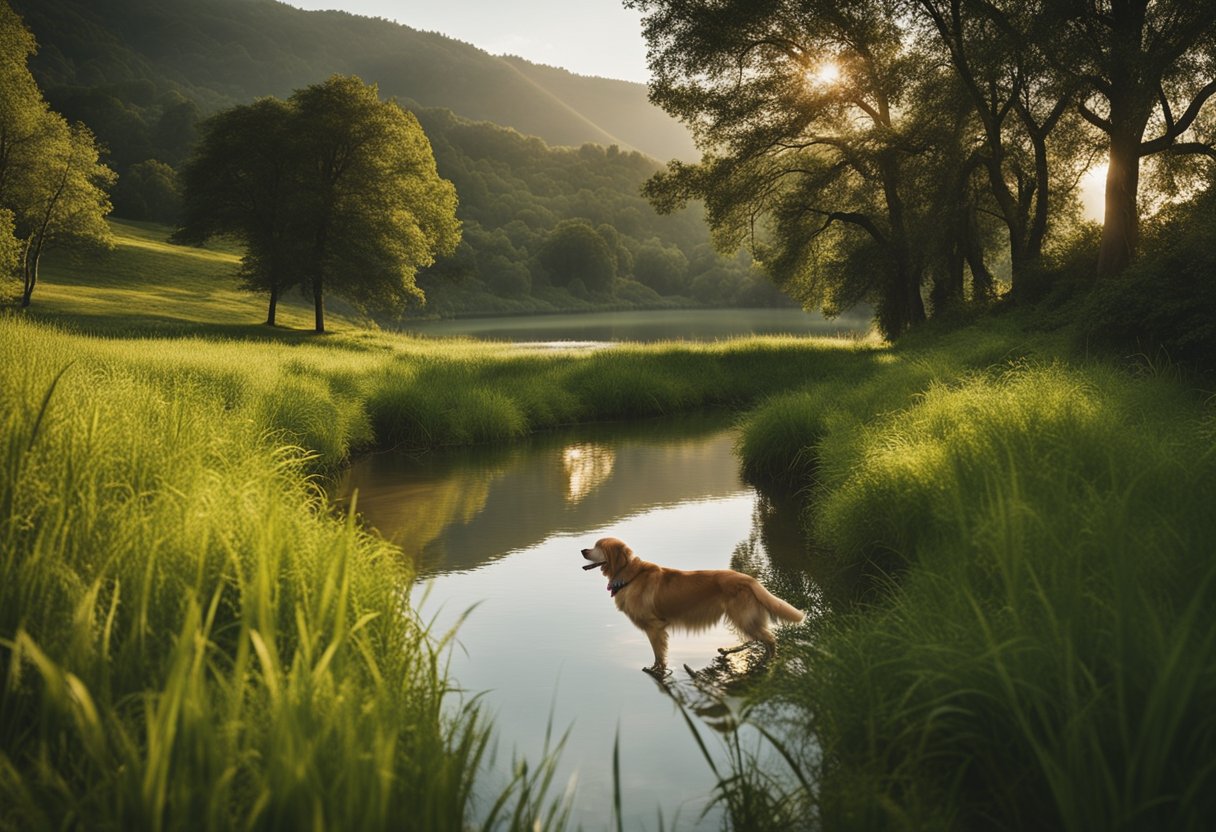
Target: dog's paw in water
{"x":657,"y":671}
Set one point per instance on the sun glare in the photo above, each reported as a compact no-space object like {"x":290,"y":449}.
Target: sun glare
{"x":1093,"y":192}
{"x":825,"y":73}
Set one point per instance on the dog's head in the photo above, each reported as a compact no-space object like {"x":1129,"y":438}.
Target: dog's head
{"x":608,"y":553}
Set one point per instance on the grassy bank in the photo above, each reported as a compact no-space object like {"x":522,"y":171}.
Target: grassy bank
{"x":1031,"y":539}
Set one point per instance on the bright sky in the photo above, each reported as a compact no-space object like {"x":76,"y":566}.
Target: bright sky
{"x":590,"y":37}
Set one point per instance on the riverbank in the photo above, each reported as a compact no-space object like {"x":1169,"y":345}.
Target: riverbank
{"x":1022,"y":637}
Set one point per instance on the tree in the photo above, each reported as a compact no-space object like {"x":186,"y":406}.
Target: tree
{"x":799,"y":112}
{"x":66,"y":201}
{"x":52,"y":183}
{"x":241,"y":183}
{"x":1141,"y":64}
{"x":575,"y":251}
{"x":149,"y":190}
{"x":1018,"y":104}
{"x":372,"y":208}
{"x":662,"y":268}
{"x":332,"y":188}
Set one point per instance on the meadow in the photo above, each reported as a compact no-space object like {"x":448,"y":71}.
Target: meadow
{"x":1021,"y":634}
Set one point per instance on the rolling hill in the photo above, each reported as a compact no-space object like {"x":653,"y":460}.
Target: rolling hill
{"x":215,"y":53}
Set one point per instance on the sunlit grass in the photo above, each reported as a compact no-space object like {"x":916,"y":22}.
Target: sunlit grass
{"x":1038,"y":646}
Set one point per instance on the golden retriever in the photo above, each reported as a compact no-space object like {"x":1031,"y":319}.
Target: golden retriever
{"x":656,"y":598}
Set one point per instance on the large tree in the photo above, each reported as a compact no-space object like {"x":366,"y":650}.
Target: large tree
{"x":241,"y":183}
{"x":801,"y":113}
{"x":1017,"y":102}
{"x":52,"y":183}
{"x":372,"y":207}
{"x":331,"y":189}
{"x":1147,"y":69}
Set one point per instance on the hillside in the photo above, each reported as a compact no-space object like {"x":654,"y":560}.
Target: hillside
{"x":109,"y":59}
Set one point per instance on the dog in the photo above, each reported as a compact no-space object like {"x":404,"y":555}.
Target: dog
{"x":656,"y":598}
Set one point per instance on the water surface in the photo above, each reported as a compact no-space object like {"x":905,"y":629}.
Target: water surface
{"x":498,"y":531}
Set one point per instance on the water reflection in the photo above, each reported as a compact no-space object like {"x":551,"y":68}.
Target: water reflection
{"x":587,"y":466}
{"x":460,"y":509}
{"x":501,"y":529}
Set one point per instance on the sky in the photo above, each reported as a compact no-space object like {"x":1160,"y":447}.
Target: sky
{"x":590,"y":37}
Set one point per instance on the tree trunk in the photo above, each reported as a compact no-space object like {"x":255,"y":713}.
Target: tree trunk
{"x":982,"y":282}
{"x":29,"y":271}
{"x":1121,"y":227}
{"x":274,"y":302}
{"x":318,"y":304}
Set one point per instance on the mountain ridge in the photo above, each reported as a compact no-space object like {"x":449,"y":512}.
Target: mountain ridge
{"x":222,"y":52}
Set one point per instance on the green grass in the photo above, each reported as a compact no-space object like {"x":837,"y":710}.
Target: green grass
{"x":1037,"y":646}
{"x":147,"y":285}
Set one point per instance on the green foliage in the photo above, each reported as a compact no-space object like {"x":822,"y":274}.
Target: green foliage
{"x":1164,"y":306}
{"x":810,"y":174}
{"x":149,"y":190}
{"x":1034,"y":649}
{"x":661,"y":268}
{"x":515,"y":190}
{"x":52,"y":183}
{"x":574,"y":251}
{"x":331,"y":188}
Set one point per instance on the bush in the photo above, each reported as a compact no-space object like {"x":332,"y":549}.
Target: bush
{"x":1165,"y":303}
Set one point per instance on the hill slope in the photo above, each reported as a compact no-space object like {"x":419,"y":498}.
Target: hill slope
{"x":220,"y":52}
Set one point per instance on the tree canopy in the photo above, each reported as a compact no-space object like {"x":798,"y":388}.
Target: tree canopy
{"x":864,"y":149}
{"x":331,"y":188}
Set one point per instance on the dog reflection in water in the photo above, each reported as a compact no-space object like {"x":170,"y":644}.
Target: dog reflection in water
{"x":656,"y":598}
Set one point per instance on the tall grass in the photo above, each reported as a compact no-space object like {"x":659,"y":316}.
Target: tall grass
{"x":1042,"y":653}
{"x":187,"y":639}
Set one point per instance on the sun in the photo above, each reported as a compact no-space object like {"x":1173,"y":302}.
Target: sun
{"x":826,"y":73}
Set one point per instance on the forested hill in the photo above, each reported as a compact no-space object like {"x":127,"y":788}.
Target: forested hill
{"x":96,"y":54}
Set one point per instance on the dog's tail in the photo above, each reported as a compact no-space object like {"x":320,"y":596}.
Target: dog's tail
{"x":775,"y":606}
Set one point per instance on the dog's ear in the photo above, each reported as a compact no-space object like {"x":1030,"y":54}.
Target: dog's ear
{"x":618,"y":556}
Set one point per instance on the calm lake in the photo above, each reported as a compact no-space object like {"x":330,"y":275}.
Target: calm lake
{"x":496,"y":532}
{"x":658,"y":325}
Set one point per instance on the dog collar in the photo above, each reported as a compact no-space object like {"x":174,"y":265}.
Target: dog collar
{"x":616,"y":586}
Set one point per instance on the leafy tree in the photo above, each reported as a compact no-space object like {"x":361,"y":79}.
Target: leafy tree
{"x":241,"y":183}
{"x":661,"y":268}
{"x":332,"y":188}
{"x":1017,"y":103}
{"x":799,"y":110}
{"x":52,"y":183}
{"x":371,"y":207}
{"x":575,"y":251}
{"x":66,"y":200}
{"x":1146,"y":68}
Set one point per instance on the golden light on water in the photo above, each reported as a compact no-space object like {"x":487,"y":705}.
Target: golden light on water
{"x":587,"y":466}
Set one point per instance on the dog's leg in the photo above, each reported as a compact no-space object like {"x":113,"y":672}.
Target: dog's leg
{"x":658,"y":641}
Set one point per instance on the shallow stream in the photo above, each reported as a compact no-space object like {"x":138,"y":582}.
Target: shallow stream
{"x":496,"y":534}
